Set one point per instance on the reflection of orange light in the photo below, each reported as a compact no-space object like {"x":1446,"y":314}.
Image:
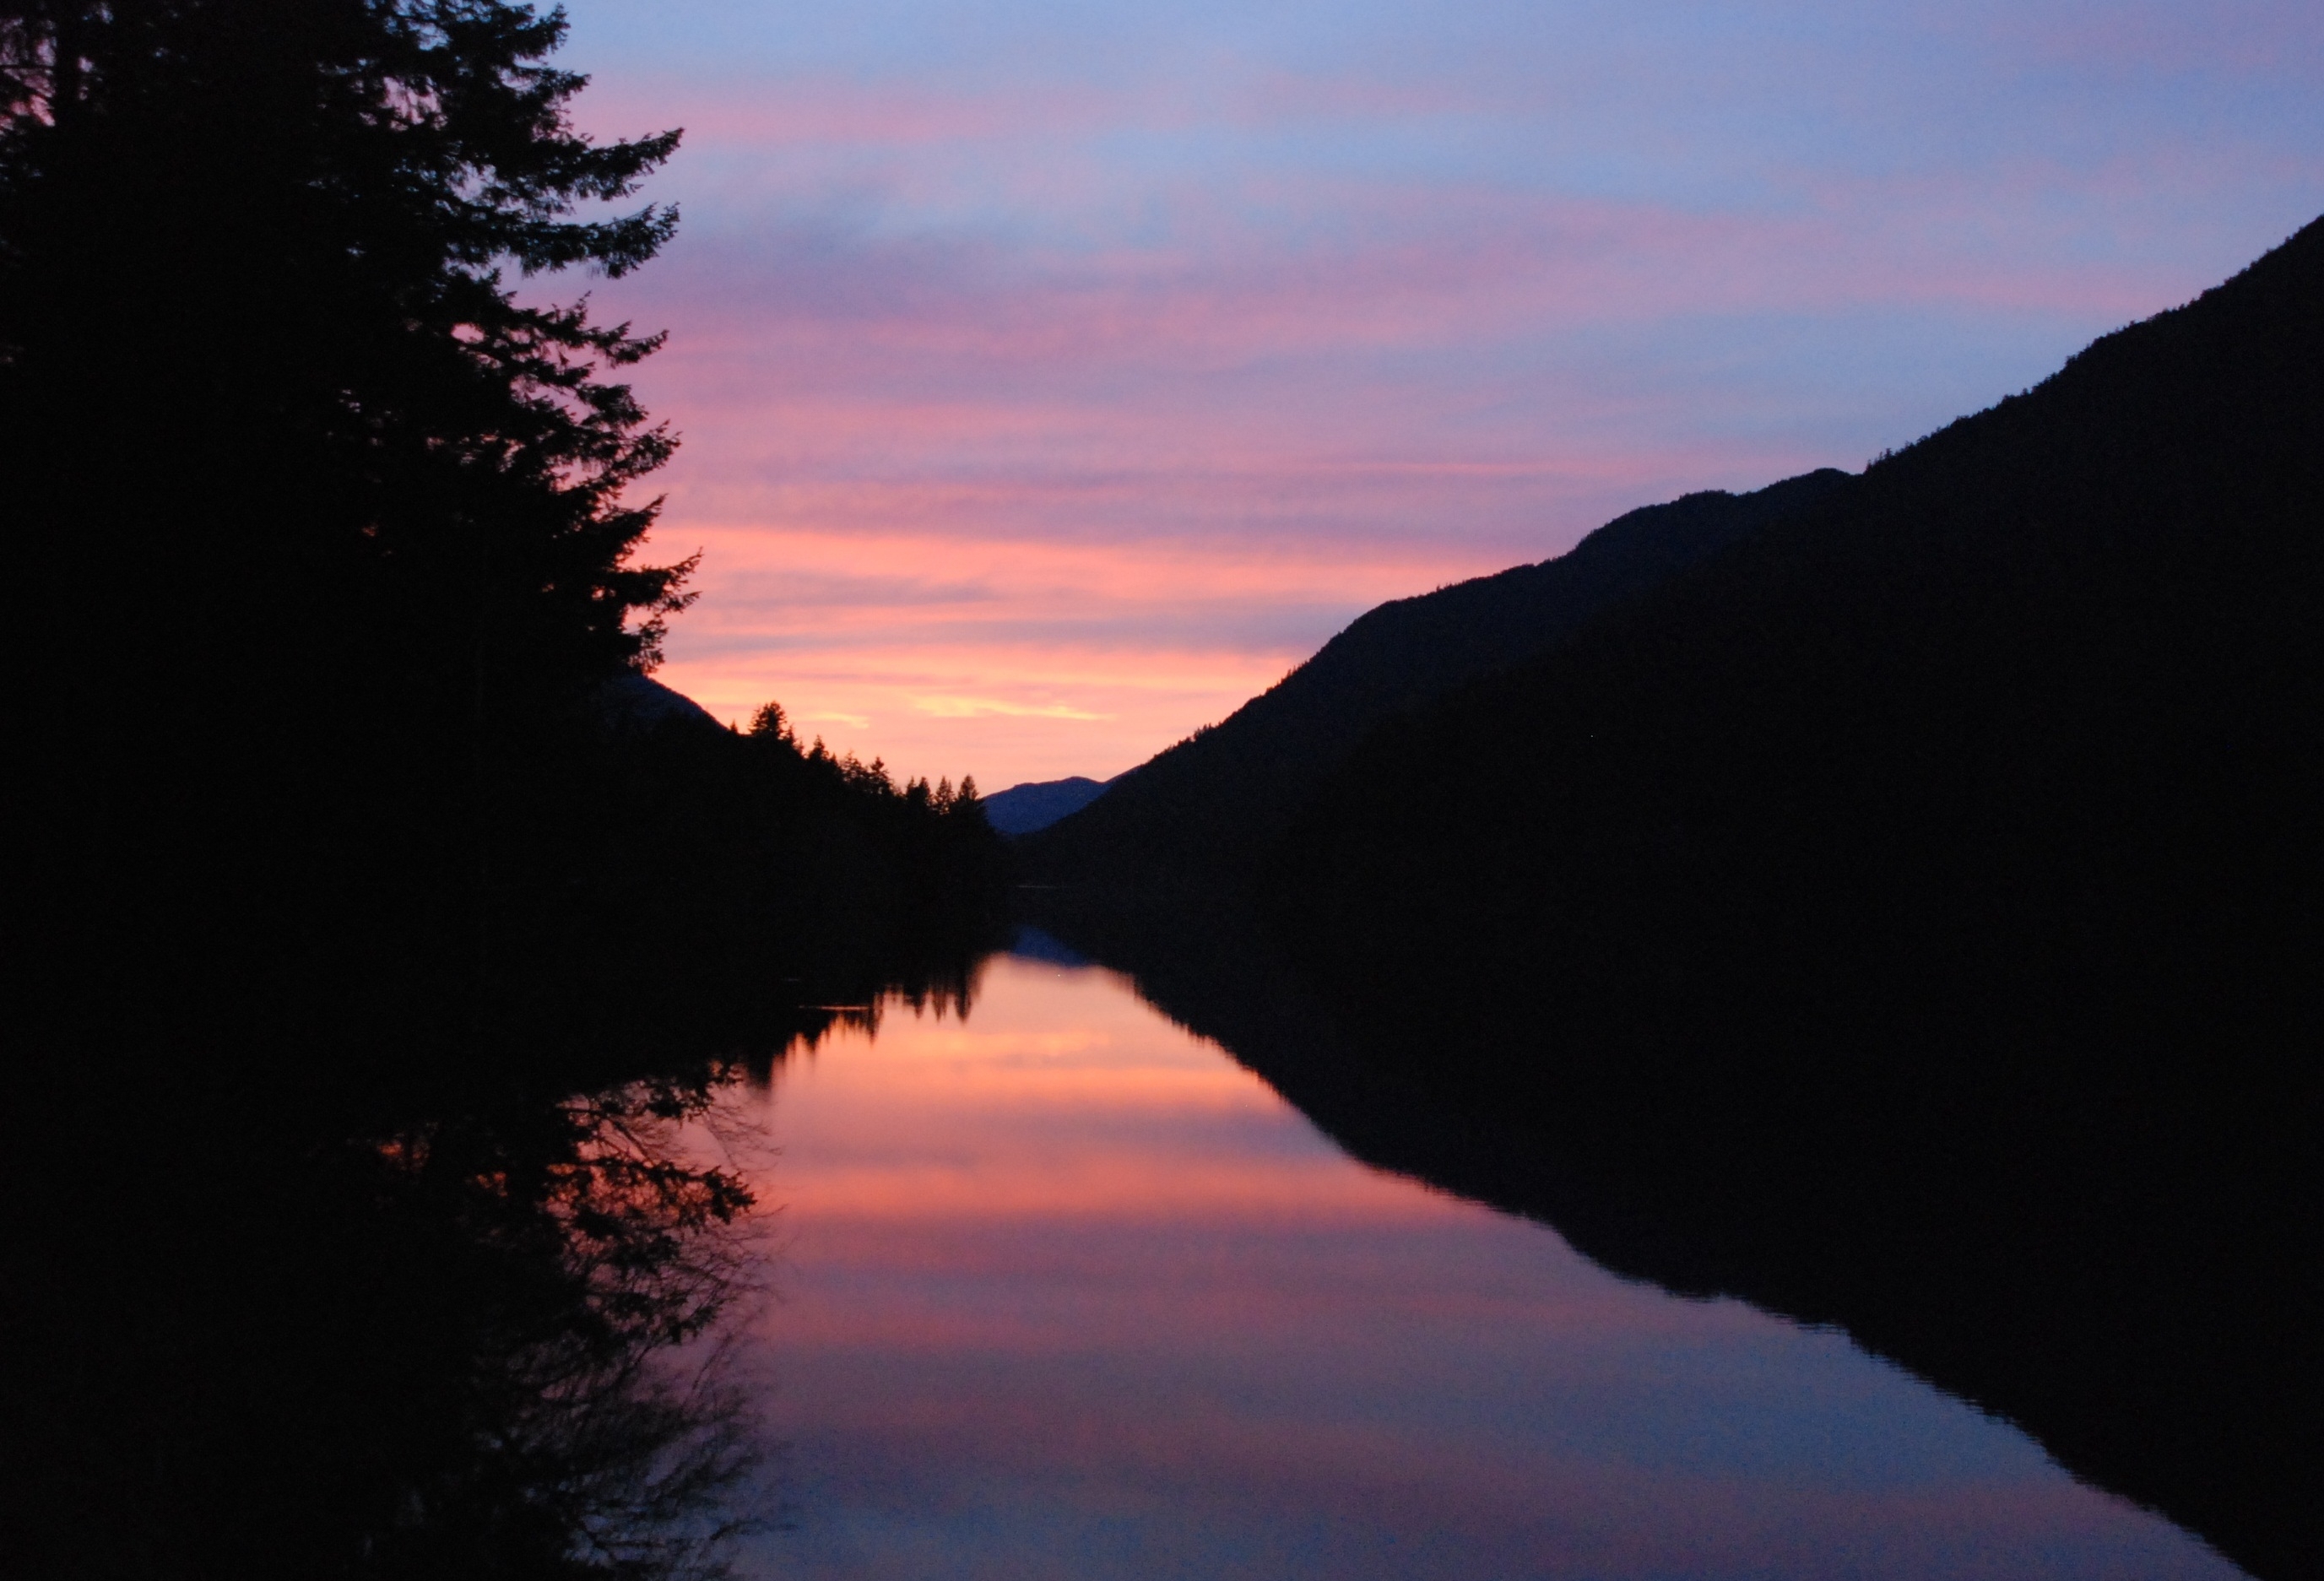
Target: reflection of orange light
{"x":1067,"y":1246}
{"x":1099,"y":1188}
{"x":1068,"y":1101}
{"x":1042,"y":1081}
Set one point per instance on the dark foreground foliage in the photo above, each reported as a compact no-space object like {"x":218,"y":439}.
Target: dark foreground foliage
{"x":359,"y":960}
{"x":329,"y":559}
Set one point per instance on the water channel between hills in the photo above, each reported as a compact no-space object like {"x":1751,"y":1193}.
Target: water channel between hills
{"x":1062,"y":1291}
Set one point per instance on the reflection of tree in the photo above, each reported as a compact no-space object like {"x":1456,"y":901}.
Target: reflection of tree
{"x":480,"y":1336}
{"x":489,"y":1343}
{"x":593,"y":1267}
{"x":600,"y":1434}
{"x":945,"y":984}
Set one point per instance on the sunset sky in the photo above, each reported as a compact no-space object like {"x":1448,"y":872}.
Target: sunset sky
{"x":1054,"y":377}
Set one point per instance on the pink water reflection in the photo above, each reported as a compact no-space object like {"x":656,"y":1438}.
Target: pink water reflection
{"x":1063,"y":1291}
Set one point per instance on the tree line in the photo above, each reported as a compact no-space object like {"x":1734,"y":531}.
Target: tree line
{"x":330,"y":526}
{"x":361,"y":966}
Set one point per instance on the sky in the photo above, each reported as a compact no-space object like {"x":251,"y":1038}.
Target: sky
{"x":1054,"y":377}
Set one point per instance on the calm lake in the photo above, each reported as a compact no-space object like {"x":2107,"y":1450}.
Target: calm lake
{"x":1062,"y":1291}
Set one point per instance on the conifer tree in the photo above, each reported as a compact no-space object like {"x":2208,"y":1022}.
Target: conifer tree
{"x":325,"y":511}
{"x":261,"y":341}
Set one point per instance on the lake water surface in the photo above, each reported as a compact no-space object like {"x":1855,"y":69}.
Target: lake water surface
{"x":1062,"y":1291}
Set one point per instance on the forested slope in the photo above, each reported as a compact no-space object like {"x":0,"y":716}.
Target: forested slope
{"x":2010,"y":744}
{"x":1210,"y":804}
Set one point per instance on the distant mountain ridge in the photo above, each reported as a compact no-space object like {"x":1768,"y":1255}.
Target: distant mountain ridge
{"x":1215,"y":800}
{"x":635,"y":705}
{"x":1022,"y":809}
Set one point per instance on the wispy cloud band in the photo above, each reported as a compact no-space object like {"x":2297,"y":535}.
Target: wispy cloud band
{"x":1048,"y":357}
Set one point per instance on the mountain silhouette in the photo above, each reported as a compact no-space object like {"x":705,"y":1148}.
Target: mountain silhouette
{"x":2021,"y":723}
{"x":1022,"y":809}
{"x":1214,"y":800}
{"x":633,"y":705}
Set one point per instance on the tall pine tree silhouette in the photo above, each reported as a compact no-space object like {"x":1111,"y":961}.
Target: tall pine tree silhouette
{"x":320,"y":518}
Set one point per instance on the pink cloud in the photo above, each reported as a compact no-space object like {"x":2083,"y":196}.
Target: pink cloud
{"x":1351,"y":334}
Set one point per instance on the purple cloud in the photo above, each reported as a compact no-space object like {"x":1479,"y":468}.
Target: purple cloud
{"x":1351,"y":302}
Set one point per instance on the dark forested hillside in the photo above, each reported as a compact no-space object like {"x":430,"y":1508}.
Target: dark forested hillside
{"x":2020,"y":725}
{"x":1210,"y":804}
{"x":775,"y":872}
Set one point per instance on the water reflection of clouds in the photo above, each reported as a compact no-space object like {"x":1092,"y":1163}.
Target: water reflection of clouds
{"x":1067,"y":1292}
